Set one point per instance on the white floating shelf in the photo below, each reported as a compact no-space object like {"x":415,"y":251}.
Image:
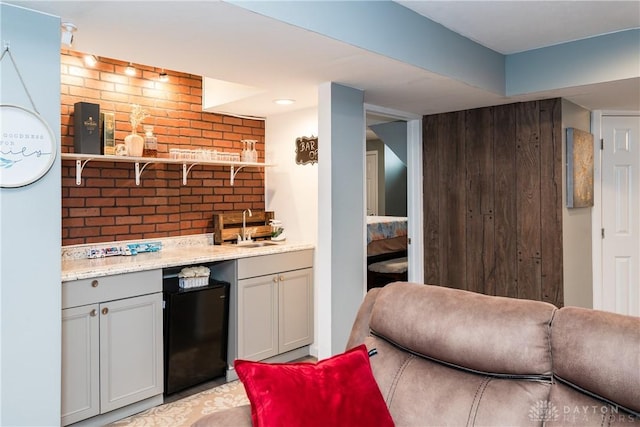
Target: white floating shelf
{"x":187,"y":165}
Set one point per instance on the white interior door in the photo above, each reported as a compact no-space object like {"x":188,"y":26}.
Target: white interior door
{"x":372,"y":182}
{"x":621,"y":215}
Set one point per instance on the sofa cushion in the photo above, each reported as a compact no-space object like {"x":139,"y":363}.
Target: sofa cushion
{"x":422,"y":392}
{"x":339,"y":391}
{"x":598,"y":352}
{"x":489,"y":334}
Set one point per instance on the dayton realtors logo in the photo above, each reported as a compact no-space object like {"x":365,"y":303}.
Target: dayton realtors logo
{"x":543,"y":410}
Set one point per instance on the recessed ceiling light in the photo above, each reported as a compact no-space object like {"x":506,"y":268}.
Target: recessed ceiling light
{"x":284,"y":101}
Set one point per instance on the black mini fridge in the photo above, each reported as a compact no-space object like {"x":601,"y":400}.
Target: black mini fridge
{"x":195,"y":333}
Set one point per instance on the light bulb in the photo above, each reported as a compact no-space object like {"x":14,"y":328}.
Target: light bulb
{"x":90,"y":60}
{"x":284,"y":101}
{"x":130,"y":71}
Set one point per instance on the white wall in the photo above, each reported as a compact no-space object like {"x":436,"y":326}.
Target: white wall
{"x":292,"y":189}
{"x":30,"y":224}
{"x":576,"y":223}
{"x":340,"y":275}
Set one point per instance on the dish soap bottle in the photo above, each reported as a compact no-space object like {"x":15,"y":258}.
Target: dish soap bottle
{"x":150,"y":142}
{"x":277,"y":230}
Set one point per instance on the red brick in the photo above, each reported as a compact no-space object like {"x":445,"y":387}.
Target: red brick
{"x":72,"y":222}
{"x":114,"y":211}
{"x":100,"y":202}
{"x":108,"y":195}
{"x":155,"y":219}
{"x":99,"y":221}
{"x":143,"y":210}
{"x":143,"y":228}
{"x":83,"y":212}
{"x":168,"y":227}
{"x":84,"y":232}
{"x":128,"y":220}
{"x":116,"y":229}
{"x":130,"y":201}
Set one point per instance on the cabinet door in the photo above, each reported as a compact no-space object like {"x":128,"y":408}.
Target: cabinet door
{"x":295,"y":309}
{"x":258,"y":317}
{"x":130,"y":350}
{"x":80,"y":363}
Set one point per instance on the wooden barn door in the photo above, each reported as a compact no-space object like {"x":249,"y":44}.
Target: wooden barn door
{"x":493,"y":201}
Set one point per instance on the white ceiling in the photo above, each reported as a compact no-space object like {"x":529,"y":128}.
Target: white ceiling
{"x":518,"y":25}
{"x":225,"y":42}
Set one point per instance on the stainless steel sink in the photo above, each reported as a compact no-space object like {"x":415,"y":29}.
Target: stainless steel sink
{"x":260,"y":244}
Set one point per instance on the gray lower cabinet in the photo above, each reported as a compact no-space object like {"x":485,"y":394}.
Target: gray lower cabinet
{"x":275,"y":304}
{"x":111,"y":343}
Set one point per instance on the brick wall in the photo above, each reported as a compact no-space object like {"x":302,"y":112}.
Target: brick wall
{"x":108,"y":205}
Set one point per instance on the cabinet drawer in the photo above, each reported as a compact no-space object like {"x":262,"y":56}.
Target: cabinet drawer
{"x":275,"y":263}
{"x":107,"y":288}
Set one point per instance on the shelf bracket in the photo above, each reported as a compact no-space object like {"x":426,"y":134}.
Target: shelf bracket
{"x":79,"y":168}
{"x":185,"y":172}
{"x":139,"y":171}
{"x":234,"y":172}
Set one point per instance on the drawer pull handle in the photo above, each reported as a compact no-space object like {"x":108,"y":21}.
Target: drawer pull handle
{"x":93,"y":313}
{"x":94,"y":283}
{"x":282,"y":278}
{"x":275,"y":279}
{"x":105,"y":310}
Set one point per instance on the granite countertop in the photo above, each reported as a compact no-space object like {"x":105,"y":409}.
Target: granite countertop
{"x":175,"y":252}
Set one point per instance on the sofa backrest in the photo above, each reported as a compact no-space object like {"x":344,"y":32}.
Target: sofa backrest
{"x":447,"y":356}
{"x":598,"y":353}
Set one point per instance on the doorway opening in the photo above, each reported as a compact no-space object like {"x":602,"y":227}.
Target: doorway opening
{"x":386,"y":199}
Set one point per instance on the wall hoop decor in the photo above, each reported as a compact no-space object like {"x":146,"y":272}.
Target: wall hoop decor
{"x":27,"y":143}
{"x":27,"y":146}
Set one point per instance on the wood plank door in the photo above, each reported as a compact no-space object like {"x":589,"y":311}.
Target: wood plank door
{"x":621,"y":215}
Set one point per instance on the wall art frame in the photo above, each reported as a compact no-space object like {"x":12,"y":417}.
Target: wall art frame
{"x":579,"y":146}
{"x":306,"y":150}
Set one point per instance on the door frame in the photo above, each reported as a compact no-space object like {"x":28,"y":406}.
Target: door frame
{"x":415,"y":229}
{"x":596,"y":214}
{"x":372,"y":153}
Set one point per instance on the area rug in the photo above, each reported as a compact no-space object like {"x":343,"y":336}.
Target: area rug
{"x":186,"y":411}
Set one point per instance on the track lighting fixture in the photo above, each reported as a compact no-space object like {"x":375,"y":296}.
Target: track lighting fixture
{"x":67,"y":33}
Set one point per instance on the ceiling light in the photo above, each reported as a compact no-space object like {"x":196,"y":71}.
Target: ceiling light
{"x":130,"y":71}
{"x":284,"y":101}
{"x":90,"y":60}
{"x":163,"y":77}
{"x":67,"y":33}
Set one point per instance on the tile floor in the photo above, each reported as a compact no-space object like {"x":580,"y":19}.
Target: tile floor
{"x":214,"y":383}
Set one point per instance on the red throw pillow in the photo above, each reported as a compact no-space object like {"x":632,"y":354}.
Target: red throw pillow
{"x":339,"y":391}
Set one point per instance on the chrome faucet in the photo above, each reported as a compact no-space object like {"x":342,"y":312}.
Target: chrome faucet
{"x":244,"y":225}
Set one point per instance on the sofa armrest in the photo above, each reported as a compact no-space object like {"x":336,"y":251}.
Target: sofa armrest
{"x":360,"y":327}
